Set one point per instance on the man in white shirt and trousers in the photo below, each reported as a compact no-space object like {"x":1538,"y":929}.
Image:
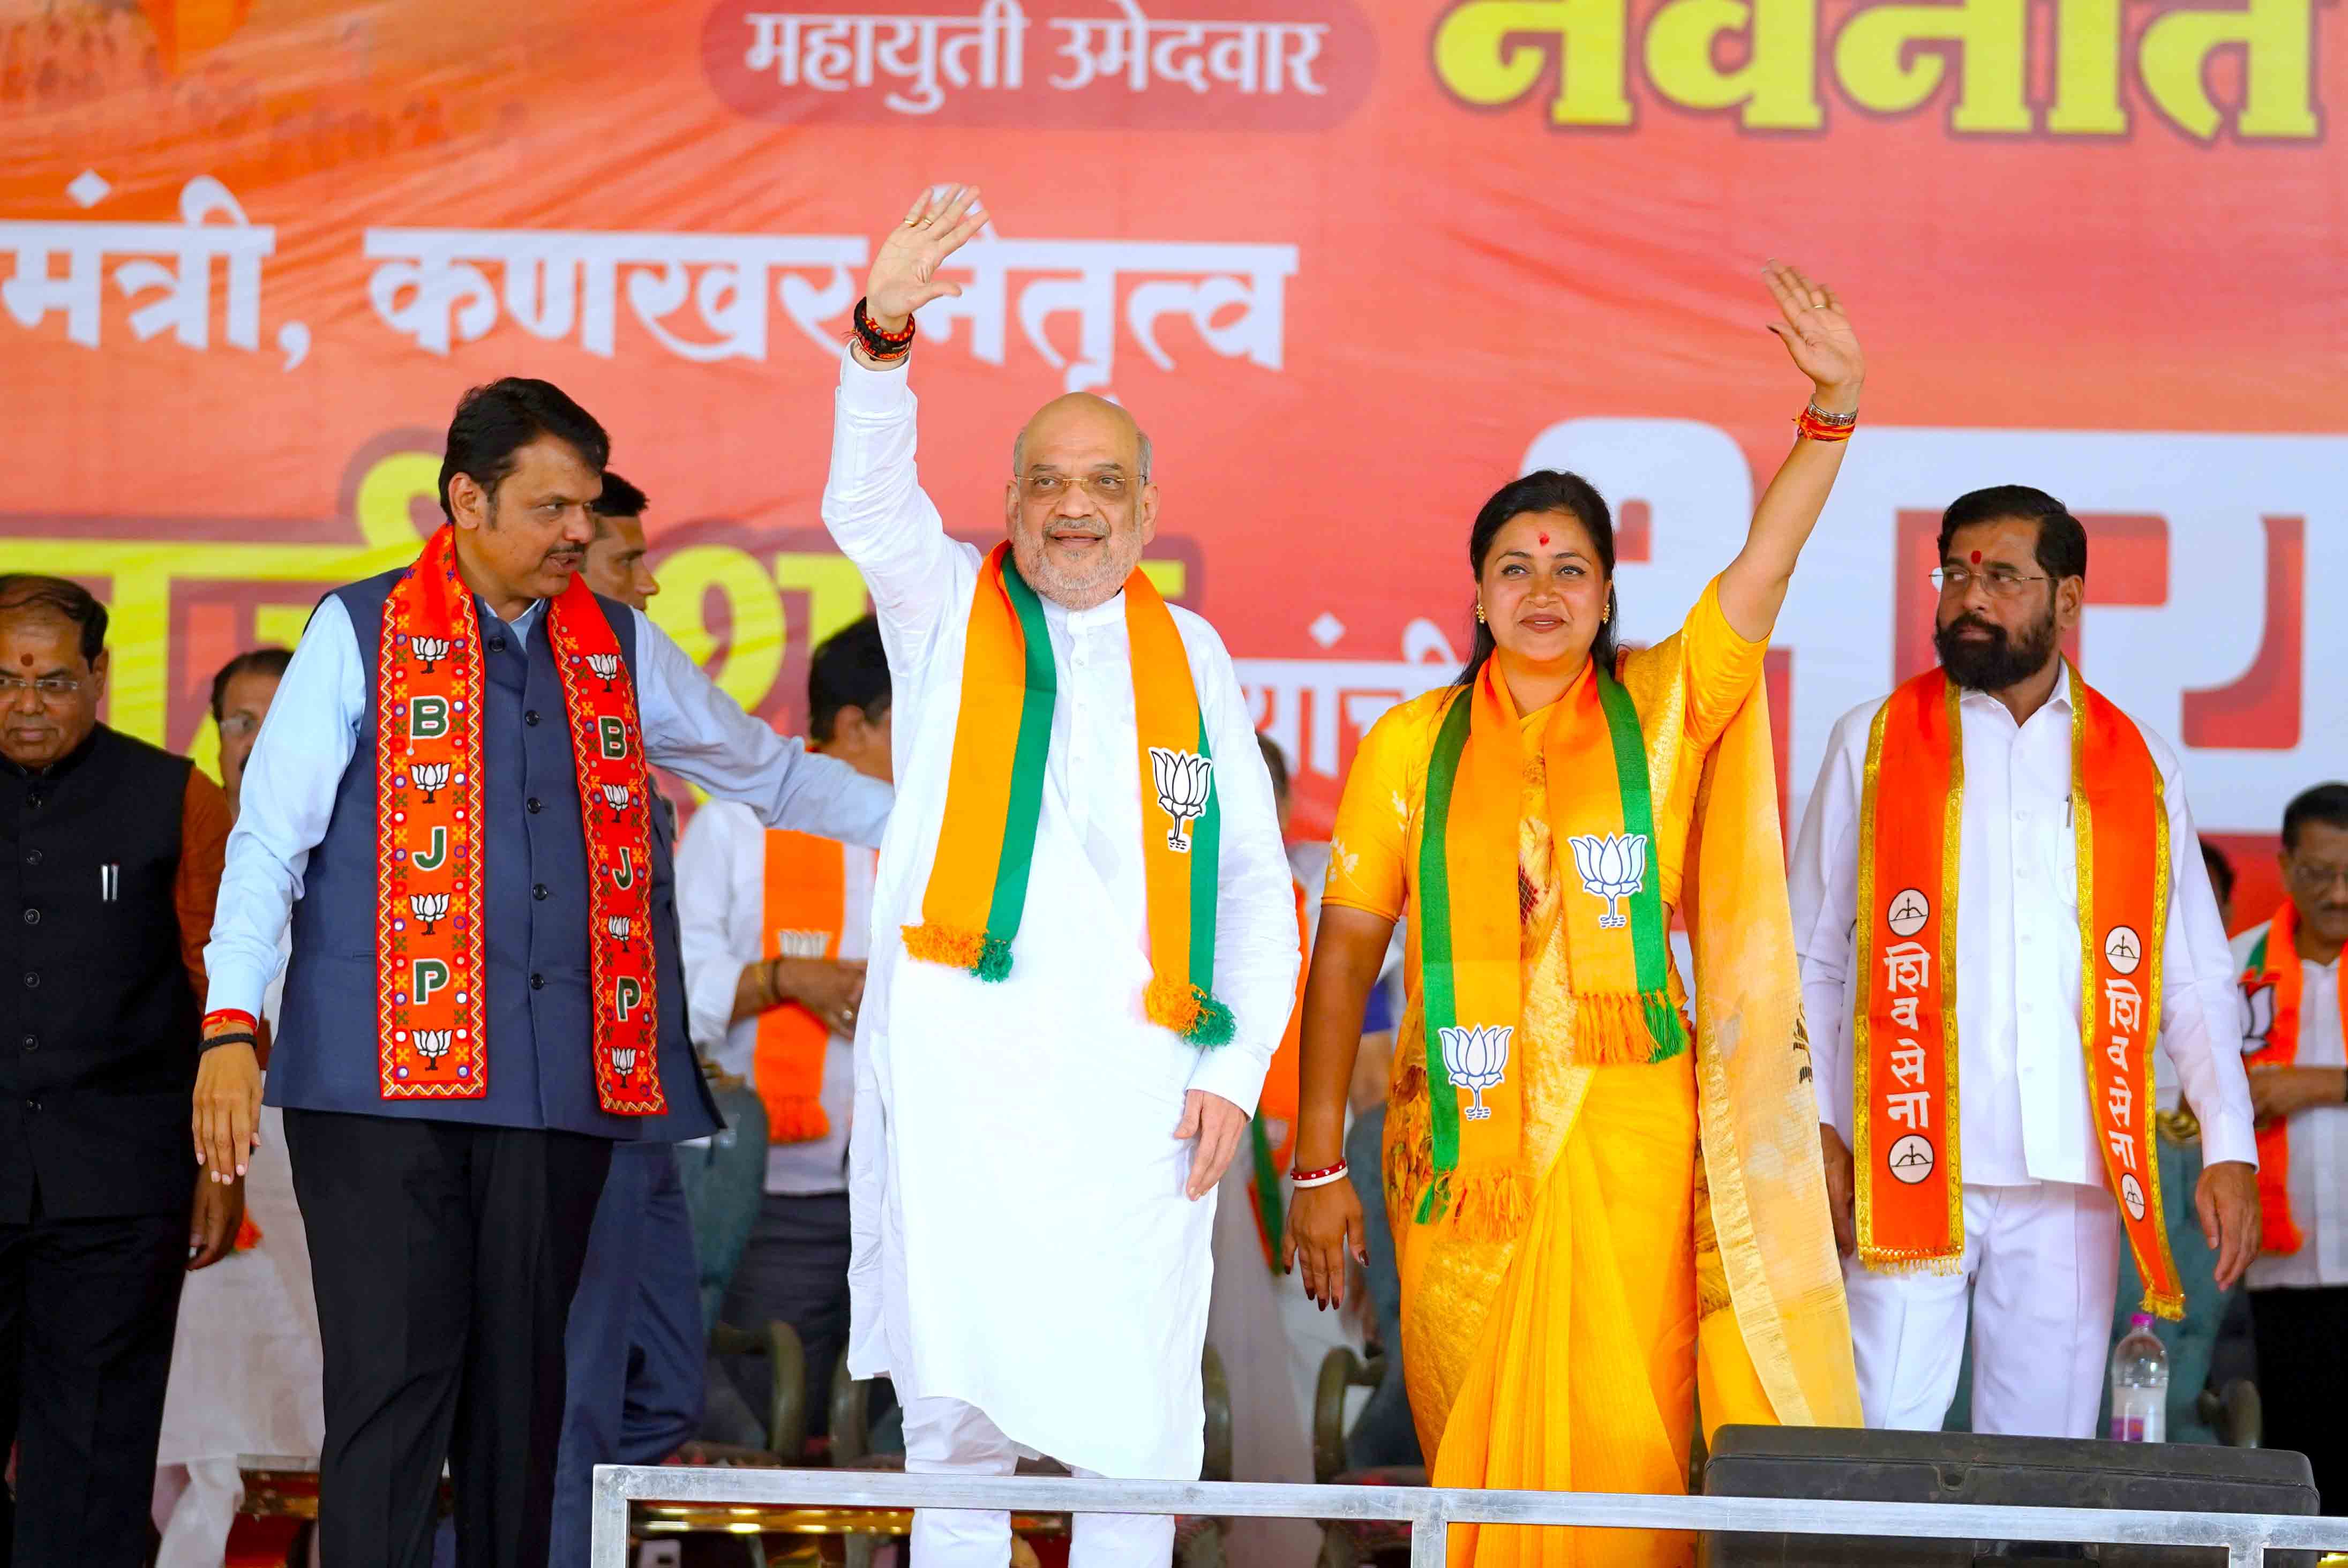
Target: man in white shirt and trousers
{"x":1033,"y":1160}
{"x":2291,"y":977}
{"x":2035,"y":1234}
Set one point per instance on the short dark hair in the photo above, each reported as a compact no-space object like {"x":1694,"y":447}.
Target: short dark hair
{"x":1275,"y":762}
{"x":495,"y":421}
{"x":60,"y":596}
{"x":252,"y":662}
{"x":849,"y":669}
{"x":2221,"y":870}
{"x":620,"y":498}
{"x":2062,"y":538}
{"x":2327,"y":803}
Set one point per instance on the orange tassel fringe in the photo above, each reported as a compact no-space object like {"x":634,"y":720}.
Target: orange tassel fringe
{"x":1611,"y":1031}
{"x":798,"y":1120}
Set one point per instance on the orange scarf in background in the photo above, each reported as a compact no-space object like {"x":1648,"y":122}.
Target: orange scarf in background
{"x":1904,"y":1043}
{"x":806,"y":908}
{"x":2273,"y":984}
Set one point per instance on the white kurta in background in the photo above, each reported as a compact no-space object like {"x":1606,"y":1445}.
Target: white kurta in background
{"x":721,"y":904}
{"x":1022,"y":1241}
{"x":2319,"y":1138}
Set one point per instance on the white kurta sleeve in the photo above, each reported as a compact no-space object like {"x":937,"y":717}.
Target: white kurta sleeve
{"x":306,"y":743}
{"x":2200,"y":1010}
{"x":714,"y":841}
{"x":880,"y":518}
{"x":1822,"y":883}
{"x":1256,"y":953}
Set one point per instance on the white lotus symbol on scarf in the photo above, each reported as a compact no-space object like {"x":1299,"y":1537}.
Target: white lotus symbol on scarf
{"x":606,"y":666}
{"x":619,"y":927}
{"x":432,"y":1044}
{"x":2258,"y":1018}
{"x":428,"y":907}
{"x":429,"y":650}
{"x":616,"y":796}
{"x":624,"y":1058}
{"x":1476,"y":1058}
{"x":431,"y":778}
{"x":1184,"y":778}
{"x":1613,"y":868}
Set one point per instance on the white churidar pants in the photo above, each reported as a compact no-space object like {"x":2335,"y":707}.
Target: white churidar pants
{"x":946,"y":1436}
{"x":2041,"y":1267}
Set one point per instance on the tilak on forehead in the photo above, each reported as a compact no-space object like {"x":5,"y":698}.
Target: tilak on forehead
{"x":1977,"y":558}
{"x":1544,"y":539}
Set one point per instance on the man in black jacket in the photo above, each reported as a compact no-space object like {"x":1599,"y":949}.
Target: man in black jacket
{"x":110,"y":856}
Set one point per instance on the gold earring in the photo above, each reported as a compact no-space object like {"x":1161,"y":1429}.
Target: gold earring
{"x":1479,"y":614}
{"x":1606,"y":614}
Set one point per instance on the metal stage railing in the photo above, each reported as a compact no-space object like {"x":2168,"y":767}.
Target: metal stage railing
{"x":1429,"y":1511}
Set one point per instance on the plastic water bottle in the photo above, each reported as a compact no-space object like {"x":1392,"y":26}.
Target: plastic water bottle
{"x":2140,"y":1385}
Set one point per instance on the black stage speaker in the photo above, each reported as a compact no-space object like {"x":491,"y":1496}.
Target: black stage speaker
{"x":2015,"y":1473}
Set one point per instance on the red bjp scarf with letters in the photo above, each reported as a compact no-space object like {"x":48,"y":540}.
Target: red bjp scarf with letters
{"x":430,"y":996}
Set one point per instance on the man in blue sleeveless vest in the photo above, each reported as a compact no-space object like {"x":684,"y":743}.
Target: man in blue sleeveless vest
{"x":449,"y":798}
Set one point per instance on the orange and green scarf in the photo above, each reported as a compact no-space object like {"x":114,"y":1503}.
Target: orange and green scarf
{"x":977,"y":890}
{"x":431,"y":999}
{"x":1470,"y":909}
{"x":2274,"y":985}
{"x":1905,"y":1103}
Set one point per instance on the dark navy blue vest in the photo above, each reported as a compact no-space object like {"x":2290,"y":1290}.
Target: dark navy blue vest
{"x":538,"y":1024}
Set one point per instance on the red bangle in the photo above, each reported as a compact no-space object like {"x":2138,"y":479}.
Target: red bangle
{"x":1320,"y":1178}
{"x":230,"y":1015}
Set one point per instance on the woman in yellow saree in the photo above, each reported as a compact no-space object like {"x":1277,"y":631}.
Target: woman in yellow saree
{"x":1604,"y":1218}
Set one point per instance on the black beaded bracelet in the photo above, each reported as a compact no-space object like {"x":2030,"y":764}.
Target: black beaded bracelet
{"x":235,"y":1037}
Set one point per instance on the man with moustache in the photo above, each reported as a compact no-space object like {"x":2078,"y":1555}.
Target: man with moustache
{"x":450,"y":802}
{"x":109,"y":860}
{"x":633,"y":1340}
{"x":2291,"y":975}
{"x":1996,"y":853}
{"x":1084,"y":948}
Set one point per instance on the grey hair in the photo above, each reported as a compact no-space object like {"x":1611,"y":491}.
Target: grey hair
{"x":1141,"y":441}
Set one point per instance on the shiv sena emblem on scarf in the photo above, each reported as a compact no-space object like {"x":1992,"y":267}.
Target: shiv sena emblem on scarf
{"x":1905,"y":1118}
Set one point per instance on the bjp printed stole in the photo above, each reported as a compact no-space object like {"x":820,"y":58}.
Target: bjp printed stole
{"x":1904,"y":1042}
{"x":430,"y":984}
{"x":2274,"y":986}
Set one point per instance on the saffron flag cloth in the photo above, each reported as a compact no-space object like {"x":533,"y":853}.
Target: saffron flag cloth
{"x":805,"y":915}
{"x":1911,"y":1197}
{"x":977,"y":890}
{"x":430,"y":984}
{"x":2272,"y":984}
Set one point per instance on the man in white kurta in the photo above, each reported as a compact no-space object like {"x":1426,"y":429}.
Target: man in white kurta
{"x":2043,"y":1235}
{"x":1033,"y":1220}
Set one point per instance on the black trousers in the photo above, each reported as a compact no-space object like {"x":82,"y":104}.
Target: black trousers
{"x":444,"y":1257}
{"x":87,"y":1310}
{"x":2304,"y":1379}
{"x":795,"y":1268}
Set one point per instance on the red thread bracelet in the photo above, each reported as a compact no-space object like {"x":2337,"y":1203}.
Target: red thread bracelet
{"x":230,"y":1015}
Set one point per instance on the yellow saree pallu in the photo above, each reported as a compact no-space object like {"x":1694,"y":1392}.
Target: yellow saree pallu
{"x":1677,"y":1247}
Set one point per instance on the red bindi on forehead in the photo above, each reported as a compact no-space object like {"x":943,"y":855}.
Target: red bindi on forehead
{"x":1977,"y":558}
{"x":1544,"y":539}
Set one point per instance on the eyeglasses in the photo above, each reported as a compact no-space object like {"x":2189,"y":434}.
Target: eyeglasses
{"x":237,"y":725}
{"x":2003,"y":582}
{"x":1106,"y":487}
{"x":48,"y":688}
{"x":2311,"y":878}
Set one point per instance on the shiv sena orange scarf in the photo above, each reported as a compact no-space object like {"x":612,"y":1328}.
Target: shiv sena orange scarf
{"x":431,"y":986}
{"x":1904,"y":1040}
{"x":2274,"y":985}
{"x":805,"y":910}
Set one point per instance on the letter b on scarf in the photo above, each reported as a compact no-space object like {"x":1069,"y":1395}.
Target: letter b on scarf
{"x":428,"y":718}
{"x":614,"y":737}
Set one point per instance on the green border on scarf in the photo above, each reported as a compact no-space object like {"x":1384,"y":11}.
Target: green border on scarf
{"x":1649,"y":940}
{"x":1438,"y":1001}
{"x":1028,"y":761}
{"x":1215,"y":1025}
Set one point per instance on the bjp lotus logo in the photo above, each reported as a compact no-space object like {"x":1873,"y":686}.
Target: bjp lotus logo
{"x":606,"y":666}
{"x":623,"y":1057}
{"x":429,"y":650}
{"x":1476,"y":1058}
{"x":432,"y":1044}
{"x":2258,"y":1017}
{"x":1184,"y":778}
{"x":1613,"y":868}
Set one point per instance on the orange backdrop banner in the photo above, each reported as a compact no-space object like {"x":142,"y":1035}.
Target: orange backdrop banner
{"x":1352,"y":262}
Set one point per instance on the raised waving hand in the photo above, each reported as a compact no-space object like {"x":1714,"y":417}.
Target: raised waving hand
{"x":904,"y":275}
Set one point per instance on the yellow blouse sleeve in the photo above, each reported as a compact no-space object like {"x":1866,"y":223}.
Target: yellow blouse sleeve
{"x":1369,"y":854}
{"x":1722,"y":668}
